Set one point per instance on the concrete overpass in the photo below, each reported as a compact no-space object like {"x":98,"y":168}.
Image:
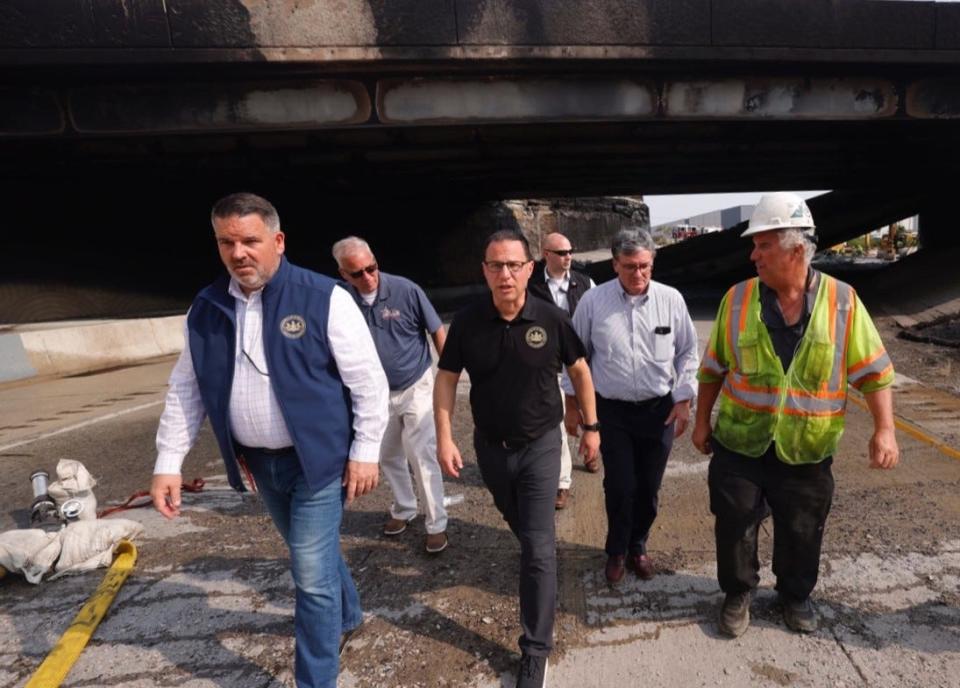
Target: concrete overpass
{"x":395,"y":119}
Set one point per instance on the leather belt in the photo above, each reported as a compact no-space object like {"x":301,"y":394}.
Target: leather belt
{"x":266,"y":450}
{"x":645,"y":403}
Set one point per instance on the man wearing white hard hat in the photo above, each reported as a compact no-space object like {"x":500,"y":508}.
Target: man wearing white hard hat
{"x":784,"y":347}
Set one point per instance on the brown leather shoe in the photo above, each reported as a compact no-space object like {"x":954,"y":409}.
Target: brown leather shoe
{"x":436,"y":543}
{"x":562,"y":495}
{"x":615,"y":570}
{"x":642,"y":565}
{"x":395,"y":526}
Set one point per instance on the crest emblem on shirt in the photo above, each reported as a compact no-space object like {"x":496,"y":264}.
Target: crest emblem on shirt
{"x":293,"y":327}
{"x":390,"y":313}
{"x":536,"y":337}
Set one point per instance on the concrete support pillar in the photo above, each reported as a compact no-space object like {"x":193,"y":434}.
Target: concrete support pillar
{"x":939,"y":227}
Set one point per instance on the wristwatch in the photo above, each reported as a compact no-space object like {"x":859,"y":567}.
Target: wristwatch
{"x":593,"y":427}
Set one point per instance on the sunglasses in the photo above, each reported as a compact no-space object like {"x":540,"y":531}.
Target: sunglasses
{"x":564,"y":253}
{"x":370,"y":269}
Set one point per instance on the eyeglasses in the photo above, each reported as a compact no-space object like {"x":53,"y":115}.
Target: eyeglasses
{"x":563,"y":254}
{"x":496,"y":266}
{"x":370,"y":269}
{"x":635,"y":267}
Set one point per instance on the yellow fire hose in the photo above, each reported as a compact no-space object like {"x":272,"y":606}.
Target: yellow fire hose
{"x":62,"y":657}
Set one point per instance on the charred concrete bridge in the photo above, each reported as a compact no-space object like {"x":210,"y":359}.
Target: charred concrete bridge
{"x":120,"y":120}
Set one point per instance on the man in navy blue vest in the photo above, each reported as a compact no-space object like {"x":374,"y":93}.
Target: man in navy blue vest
{"x":400,"y":316}
{"x":281,"y":362}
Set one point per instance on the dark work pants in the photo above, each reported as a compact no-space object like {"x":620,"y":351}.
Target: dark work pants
{"x":799,"y":499}
{"x":635,"y":445}
{"x":523,"y":483}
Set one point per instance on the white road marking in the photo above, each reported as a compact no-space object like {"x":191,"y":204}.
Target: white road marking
{"x":82,"y":424}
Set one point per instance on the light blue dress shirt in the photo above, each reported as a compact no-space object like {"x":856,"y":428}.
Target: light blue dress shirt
{"x":639,"y":347}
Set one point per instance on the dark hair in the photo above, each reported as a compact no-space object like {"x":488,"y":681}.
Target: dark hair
{"x":243,"y":204}
{"x":509,"y":235}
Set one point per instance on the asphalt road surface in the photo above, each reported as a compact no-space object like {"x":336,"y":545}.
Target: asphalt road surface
{"x":211,"y":602}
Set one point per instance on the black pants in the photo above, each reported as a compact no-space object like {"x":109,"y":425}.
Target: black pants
{"x":635,"y":445}
{"x":799,"y":498}
{"x":523,"y":483}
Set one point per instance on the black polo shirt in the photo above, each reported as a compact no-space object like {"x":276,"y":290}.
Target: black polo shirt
{"x":513,"y":366}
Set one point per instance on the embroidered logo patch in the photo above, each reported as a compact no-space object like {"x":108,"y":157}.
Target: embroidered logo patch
{"x":536,"y":337}
{"x":293,"y":327}
{"x":390,"y":313}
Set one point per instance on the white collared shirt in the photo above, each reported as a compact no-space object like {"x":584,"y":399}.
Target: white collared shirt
{"x":639,"y":347}
{"x":255,"y":416}
{"x":559,"y":286}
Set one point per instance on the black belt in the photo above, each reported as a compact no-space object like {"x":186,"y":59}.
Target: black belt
{"x":512,"y":445}
{"x":645,"y":403}
{"x":265,"y":450}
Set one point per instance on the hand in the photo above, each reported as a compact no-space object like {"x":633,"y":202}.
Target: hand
{"x":360,"y":477}
{"x":449,"y":457}
{"x":884,"y":452}
{"x":571,"y":420}
{"x":165,"y":492}
{"x":701,"y":438}
{"x":680,"y":413}
{"x":589,"y":446}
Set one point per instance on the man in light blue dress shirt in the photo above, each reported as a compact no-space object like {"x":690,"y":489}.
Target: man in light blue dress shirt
{"x":642,"y":349}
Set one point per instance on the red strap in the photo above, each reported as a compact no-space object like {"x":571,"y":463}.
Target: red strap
{"x":195,"y":486}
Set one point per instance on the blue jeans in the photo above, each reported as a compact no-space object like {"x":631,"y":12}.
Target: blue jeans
{"x":327,"y":604}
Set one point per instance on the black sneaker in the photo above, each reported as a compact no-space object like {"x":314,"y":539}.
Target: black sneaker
{"x":533,"y":672}
{"x":735,"y":614}
{"x":799,"y":615}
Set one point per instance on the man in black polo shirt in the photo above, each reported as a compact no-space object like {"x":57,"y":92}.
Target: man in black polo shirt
{"x":513,"y":347}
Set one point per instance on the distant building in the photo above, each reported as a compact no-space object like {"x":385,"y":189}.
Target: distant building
{"x":705,"y":223}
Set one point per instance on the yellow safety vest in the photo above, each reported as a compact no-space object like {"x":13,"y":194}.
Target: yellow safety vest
{"x":800,"y":409}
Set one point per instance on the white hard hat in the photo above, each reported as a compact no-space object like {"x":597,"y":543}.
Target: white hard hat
{"x":780,"y":210}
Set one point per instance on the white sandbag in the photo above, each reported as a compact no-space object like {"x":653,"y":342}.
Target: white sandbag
{"x":88,"y":545}
{"x":75,"y":482}
{"x":29,"y":551}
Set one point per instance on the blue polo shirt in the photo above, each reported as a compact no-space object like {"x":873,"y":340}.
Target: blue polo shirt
{"x":399,"y":320}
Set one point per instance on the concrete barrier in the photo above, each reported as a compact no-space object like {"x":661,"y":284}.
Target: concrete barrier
{"x":70,"y":348}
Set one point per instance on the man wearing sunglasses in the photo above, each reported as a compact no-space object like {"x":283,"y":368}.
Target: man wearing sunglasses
{"x":399,"y":316}
{"x":563,"y":286}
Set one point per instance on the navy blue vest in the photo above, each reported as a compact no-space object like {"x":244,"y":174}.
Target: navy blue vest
{"x":314,"y":401}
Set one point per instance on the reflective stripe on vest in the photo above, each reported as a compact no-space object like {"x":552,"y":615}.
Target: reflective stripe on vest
{"x":827,"y":399}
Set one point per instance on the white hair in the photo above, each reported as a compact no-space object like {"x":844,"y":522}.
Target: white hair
{"x":798,"y":237}
{"x":348,"y":246}
{"x":632,"y":240}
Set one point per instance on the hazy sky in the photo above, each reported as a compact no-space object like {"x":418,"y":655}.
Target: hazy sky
{"x":681,"y":206}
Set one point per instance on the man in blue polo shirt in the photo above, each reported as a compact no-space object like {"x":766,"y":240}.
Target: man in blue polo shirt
{"x":399,"y":316}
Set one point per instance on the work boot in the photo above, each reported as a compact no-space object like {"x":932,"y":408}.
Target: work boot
{"x":533,"y":672}
{"x":799,"y":615}
{"x":735,"y":614}
{"x":562,"y":495}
